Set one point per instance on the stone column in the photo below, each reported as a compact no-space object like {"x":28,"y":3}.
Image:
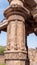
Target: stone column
{"x":16,"y":33}
{"x":16,"y":53}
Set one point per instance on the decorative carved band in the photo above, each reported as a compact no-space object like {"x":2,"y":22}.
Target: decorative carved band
{"x":17,"y":18}
{"x":16,"y":55}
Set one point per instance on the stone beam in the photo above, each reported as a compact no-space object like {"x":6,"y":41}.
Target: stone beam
{"x":3,"y":25}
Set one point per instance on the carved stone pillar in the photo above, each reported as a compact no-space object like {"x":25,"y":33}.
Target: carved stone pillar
{"x":16,"y":33}
{"x":16,"y":53}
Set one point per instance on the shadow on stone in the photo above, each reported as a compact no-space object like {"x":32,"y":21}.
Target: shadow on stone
{"x":27,"y":61}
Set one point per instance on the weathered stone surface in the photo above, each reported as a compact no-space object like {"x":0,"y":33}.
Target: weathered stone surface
{"x":15,"y":62}
{"x":32,"y":53}
{"x":16,"y":55}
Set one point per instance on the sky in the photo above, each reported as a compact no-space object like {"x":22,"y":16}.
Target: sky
{"x":31,"y":39}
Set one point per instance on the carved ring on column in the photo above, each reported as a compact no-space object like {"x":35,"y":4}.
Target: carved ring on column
{"x":16,"y":11}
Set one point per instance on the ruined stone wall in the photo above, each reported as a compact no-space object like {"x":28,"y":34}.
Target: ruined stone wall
{"x":32,"y":54}
{"x":2,"y":59}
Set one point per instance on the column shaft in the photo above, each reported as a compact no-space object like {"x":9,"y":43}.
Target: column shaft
{"x":16,"y":50}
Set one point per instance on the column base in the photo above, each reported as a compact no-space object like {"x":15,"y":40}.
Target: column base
{"x":15,"y":57}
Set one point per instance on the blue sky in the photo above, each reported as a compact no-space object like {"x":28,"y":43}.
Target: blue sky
{"x":31,"y":39}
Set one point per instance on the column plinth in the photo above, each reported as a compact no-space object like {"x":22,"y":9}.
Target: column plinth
{"x":16,"y":52}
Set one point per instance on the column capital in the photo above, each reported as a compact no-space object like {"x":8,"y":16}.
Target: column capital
{"x":17,"y":10}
